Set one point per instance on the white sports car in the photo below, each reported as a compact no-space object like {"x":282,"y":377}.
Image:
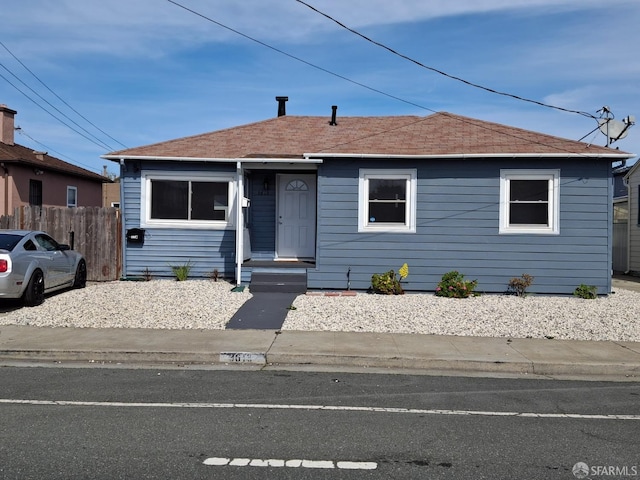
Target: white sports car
{"x":32,"y":264}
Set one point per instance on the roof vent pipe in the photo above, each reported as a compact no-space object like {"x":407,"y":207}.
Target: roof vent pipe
{"x":282,"y":108}
{"x":334,"y":109}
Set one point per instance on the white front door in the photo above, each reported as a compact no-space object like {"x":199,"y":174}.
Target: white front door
{"x":296,"y":212}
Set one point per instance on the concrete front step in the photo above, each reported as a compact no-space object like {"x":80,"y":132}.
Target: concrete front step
{"x":278,"y":282}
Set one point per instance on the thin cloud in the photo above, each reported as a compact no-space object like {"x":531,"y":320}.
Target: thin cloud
{"x":154,"y":27}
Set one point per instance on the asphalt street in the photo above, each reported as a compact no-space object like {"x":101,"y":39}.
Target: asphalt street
{"x":68,"y":423}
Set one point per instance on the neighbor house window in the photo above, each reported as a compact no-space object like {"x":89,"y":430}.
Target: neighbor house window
{"x":35,"y":193}
{"x":529,"y":201}
{"x":202,"y":201}
{"x":72,"y":196}
{"x":387,"y":200}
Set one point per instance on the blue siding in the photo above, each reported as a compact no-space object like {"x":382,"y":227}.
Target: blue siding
{"x":262,"y":216}
{"x":163,"y":247}
{"x":457,"y":228}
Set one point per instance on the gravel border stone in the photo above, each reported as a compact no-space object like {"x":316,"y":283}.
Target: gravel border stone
{"x":163,"y":304}
{"x":204,"y":304}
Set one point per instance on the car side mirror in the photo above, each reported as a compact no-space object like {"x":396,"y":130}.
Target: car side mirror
{"x":63,"y":247}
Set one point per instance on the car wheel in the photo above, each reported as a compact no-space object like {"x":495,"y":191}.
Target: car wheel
{"x":80,"y":280}
{"x":34,"y":294}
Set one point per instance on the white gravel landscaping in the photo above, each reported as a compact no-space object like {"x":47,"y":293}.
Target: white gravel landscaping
{"x":616,"y":317}
{"x":192,"y":304}
{"x":204,"y":304}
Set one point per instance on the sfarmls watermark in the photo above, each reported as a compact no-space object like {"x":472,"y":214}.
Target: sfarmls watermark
{"x":582,"y":470}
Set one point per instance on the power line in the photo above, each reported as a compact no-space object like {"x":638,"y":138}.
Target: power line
{"x":21,"y":132}
{"x":58,"y":96}
{"x":101,"y":145}
{"x":463,"y":120}
{"x":298,"y":59}
{"x":453,"y":77}
{"x":93,"y":138}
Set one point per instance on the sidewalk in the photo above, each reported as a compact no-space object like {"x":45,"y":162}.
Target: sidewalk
{"x":388,"y":352}
{"x":327,"y":350}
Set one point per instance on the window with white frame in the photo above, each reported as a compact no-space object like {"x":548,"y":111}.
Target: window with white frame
{"x":529,"y":201}
{"x":387,"y":200}
{"x":72,"y":196}
{"x":195,"y":201}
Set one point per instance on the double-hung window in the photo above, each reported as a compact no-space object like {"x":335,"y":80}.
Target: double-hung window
{"x":529,"y":201}
{"x":72,"y":196}
{"x":387,"y":200}
{"x":35,"y":193}
{"x":201,"y":201}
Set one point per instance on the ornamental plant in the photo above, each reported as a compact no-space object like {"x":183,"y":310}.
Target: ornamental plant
{"x":586,"y":291}
{"x":389,"y":283}
{"x":519,"y":285}
{"x":181,"y":272}
{"x":454,"y":285}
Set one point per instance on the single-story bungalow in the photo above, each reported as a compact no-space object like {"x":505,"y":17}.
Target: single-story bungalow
{"x":344,"y":198}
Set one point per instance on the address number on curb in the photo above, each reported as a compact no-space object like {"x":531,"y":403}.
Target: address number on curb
{"x":242,"y":357}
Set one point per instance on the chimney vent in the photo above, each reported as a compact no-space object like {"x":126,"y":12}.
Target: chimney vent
{"x":334,"y":110}
{"x":7,"y":125}
{"x":282,"y":108}
{"x":39,"y":155}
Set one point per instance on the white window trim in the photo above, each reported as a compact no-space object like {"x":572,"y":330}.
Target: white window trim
{"x":551,"y":175}
{"x":410,"y":176}
{"x":74,"y":189}
{"x":145,"y":205}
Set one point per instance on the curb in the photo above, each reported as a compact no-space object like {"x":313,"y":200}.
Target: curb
{"x":407,"y":353}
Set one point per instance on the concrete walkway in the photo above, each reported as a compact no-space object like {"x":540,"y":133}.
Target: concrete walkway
{"x":408,"y":353}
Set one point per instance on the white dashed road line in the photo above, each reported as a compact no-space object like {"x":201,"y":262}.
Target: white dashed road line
{"x":335,"y":408}
{"x":294,"y":463}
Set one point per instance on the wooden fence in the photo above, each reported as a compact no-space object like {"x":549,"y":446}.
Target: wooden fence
{"x":93,"y":231}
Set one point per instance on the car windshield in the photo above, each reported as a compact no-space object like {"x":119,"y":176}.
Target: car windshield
{"x":9,"y":241}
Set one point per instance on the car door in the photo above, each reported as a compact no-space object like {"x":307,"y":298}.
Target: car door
{"x":57,"y":264}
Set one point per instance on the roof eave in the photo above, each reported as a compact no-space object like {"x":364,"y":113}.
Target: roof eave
{"x":382,"y":156}
{"x":259,"y":160}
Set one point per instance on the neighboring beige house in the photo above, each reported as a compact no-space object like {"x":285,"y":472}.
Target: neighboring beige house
{"x":110,"y":191}
{"x":36,"y":178}
{"x":633,"y":184}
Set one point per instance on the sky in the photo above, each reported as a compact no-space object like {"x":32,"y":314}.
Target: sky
{"x":88,"y":77}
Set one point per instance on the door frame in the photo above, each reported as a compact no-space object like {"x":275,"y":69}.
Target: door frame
{"x":311,"y":178}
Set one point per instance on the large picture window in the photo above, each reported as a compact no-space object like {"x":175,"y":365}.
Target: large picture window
{"x":204,"y":201}
{"x":529,"y":201}
{"x":387,"y":200}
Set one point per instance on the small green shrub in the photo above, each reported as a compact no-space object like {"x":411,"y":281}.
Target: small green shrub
{"x":147,"y":275}
{"x":181,"y":271}
{"x":586,"y":291}
{"x":389,"y":283}
{"x":454,"y":285}
{"x":519,"y":285}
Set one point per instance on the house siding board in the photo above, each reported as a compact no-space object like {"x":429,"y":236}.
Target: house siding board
{"x":262,"y":221}
{"x":205,"y":249}
{"x":457,"y":228}
{"x":634,"y":221}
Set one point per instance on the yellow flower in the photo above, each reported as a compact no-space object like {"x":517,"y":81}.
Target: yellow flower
{"x":404,"y":271}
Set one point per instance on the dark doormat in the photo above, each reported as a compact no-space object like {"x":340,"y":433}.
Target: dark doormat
{"x":263,"y":311}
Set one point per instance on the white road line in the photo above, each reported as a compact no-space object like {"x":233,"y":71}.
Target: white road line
{"x":294,"y":463}
{"x":336,"y":408}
